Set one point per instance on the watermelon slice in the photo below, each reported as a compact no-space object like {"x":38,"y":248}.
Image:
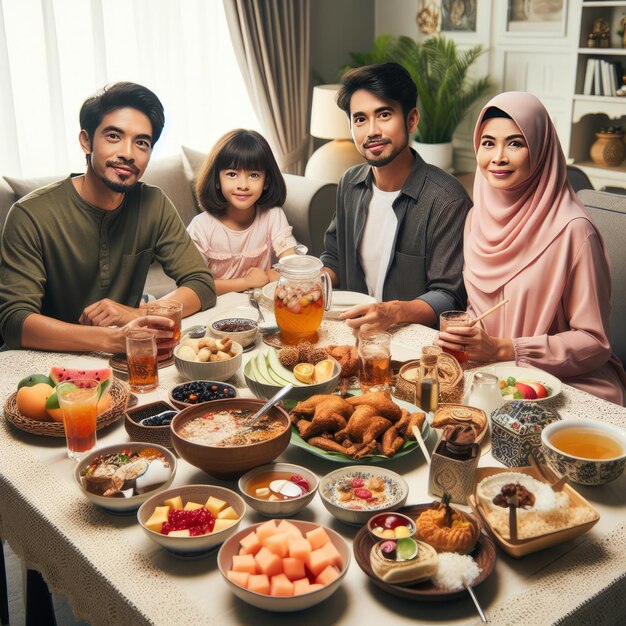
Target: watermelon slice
{"x":62,"y":374}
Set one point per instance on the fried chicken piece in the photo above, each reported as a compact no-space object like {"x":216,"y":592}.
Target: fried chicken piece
{"x":417,"y":419}
{"x":348,"y":358}
{"x":402,"y":423}
{"x":363,"y":426}
{"x":383,"y":405}
{"x":391,"y":442}
{"x":371,"y":447}
{"x":322,"y":405}
{"x":325,"y":424}
{"x":364,"y":411}
{"x":328,"y":444}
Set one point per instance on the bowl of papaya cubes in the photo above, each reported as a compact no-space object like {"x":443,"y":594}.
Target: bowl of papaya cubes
{"x":284,"y":565}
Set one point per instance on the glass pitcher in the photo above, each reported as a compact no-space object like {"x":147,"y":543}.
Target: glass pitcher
{"x":484,"y":393}
{"x":302,"y":295}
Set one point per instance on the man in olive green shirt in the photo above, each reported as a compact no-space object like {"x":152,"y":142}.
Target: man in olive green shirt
{"x":74,"y":255}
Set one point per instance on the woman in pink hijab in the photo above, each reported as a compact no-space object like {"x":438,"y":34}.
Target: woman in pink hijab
{"x":529,"y":239}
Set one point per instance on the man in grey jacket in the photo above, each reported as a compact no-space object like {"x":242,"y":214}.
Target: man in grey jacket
{"x":397,"y":233}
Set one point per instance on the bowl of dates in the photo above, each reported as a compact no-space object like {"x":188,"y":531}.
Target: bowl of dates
{"x":200,"y":391}
{"x":239,"y":329}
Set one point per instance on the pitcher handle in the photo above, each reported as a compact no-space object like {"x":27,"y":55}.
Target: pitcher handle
{"x":328,"y":290}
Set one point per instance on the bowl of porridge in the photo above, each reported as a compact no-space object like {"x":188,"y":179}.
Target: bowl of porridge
{"x":217,"y":437}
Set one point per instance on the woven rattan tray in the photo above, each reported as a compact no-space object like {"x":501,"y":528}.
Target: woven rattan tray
{"x":119,"y":393}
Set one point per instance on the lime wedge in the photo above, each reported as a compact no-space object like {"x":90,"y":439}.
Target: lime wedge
{"x":406,"y":549}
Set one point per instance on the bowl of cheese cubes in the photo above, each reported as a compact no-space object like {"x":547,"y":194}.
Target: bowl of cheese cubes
{"x":191,"y":521}
{"x":284,"y":565}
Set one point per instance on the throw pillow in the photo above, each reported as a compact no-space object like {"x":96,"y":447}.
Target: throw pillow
{"x":23,"y":186}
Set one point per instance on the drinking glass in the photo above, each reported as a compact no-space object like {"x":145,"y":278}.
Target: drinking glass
{"x":141,"y":354}
{"x":454,"y":318}
{"x":375,"y":355}
{"x":78,"y":398}
{"x":173,"y":310}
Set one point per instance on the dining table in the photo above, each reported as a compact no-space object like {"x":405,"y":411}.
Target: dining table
{"x":111,"y":573}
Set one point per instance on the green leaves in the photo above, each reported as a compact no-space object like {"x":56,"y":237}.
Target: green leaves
{"x":439,"y":71}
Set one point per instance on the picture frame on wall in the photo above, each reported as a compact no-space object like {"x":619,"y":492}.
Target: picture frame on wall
{"x":536,"y":17}
{"x":458,"y":15}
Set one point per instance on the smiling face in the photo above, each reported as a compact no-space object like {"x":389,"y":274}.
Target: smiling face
{"x":121,"y":148}
{"x":503,"y":156}
{"x":242,"y":188}
{"x":379,"y":128}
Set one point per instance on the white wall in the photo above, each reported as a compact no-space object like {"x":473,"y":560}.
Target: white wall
{"x":544,"y":65}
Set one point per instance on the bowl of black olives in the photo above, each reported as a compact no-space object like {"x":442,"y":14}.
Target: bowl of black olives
{"x":151,"y":423}
{"x":200,"y":391}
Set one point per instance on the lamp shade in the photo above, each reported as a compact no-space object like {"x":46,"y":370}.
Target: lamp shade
{"x":328,"y":121}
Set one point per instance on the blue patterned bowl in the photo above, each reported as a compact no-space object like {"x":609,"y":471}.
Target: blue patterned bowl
{"x":516,"y":431}
{"x":580,"y":470}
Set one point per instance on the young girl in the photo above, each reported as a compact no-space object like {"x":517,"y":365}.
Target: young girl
{"x":241,"y":190}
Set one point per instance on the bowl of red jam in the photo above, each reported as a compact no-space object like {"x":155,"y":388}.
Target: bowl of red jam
{"x":191,"y":521}
{"x":391,"y":526}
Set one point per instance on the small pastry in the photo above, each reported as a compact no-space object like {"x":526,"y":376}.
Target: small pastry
{"x":391,"y":565}
{"x":446,"y":529}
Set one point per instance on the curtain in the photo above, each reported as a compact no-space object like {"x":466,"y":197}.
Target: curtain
{"x":55,"y":53}
{"x":272,"y":45}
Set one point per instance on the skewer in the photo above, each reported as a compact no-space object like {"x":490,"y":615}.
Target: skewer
{"x":420,"y":440}
{"x":488,"y":312}
{"x":513,"y":504}
{"x":483,"y":617}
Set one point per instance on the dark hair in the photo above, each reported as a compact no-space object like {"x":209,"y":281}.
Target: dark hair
{"x":493,"y":112}
{"x":239,"y":149}
{"x":120,"y":96}
{"x":389,"y":81}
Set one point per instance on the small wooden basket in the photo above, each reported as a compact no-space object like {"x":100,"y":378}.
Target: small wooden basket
{"x":119,"y":394}
{"x":161,"y":435}
{"x":451,"y":380}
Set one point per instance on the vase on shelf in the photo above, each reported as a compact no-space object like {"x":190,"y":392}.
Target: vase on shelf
{"x":608,"y":150}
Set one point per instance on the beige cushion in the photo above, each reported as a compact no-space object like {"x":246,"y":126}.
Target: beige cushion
{"x":169,"y":175}
{"x":23,"y":186}
{"x":192,"y":161}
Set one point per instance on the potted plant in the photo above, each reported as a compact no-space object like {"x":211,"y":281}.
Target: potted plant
{"x":445,"y":95}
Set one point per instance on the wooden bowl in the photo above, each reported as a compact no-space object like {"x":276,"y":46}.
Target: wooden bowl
{"x":161,"y":435}
{"x":229,"y":462}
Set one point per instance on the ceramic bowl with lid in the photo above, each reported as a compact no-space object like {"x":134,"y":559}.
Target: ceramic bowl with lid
{"x":516,"y":431}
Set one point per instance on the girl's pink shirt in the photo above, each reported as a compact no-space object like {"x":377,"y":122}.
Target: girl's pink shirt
{"x":231,"y":253}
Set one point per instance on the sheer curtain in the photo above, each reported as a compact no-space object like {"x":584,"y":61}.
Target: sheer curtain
{"x":55,"y":53}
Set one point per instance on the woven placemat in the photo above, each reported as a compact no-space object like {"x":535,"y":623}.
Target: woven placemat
{"x":118,"y":390}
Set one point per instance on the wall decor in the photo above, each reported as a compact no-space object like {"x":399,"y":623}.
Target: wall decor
{"x":536,"y":17}
{"x":458,"y":15}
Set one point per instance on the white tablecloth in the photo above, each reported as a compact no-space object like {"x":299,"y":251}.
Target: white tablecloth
{"x":112,"y":573}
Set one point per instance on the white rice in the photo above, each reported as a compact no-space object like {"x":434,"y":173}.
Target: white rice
{"x":546,"y":500}
{"x":453,"y":569}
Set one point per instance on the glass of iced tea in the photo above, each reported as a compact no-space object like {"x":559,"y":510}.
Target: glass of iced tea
{"x":79,"y":402}
{"x":375,"y":356}
{"x":141,"y":354}
{"x":173,"y":310}
{"x":455,"y":318}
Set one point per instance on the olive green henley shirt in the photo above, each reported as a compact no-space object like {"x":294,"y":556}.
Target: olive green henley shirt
{"x":59,"y":254}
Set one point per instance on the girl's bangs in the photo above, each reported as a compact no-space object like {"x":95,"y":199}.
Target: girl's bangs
{"x":242,"y":153}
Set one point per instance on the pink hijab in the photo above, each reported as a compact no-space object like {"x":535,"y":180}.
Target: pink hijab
{"x":507,"y":230}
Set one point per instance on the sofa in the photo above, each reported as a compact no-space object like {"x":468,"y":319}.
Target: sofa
{"x":309,"y":207}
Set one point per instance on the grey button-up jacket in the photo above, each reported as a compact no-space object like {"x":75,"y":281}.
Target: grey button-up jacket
{"x":427,"y":259}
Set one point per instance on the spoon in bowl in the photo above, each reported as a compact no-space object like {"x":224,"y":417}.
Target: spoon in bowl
{"x":265,"y":328}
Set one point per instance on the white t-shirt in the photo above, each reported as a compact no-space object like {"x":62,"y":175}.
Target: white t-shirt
{"x":377,"y":242}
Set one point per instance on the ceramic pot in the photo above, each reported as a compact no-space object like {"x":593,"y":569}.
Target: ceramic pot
{"x":608,"y":150}
{"x":439,"y":154}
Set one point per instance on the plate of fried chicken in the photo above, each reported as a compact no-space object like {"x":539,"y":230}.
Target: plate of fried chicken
{"x":362,"y":428}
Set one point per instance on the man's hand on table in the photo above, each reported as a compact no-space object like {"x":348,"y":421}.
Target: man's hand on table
{"x":160,"y":327}
{"x":107,"y":312}
{"x":382,"y":315}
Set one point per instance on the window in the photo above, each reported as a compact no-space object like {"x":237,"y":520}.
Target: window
{"x":55,"y":53}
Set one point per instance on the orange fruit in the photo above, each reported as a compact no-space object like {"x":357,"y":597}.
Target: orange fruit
{"x":304,"y":372}
{"x":31,"y":401}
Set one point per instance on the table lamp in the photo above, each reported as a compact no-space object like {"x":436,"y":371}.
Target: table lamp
{"x":328,"y":121}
